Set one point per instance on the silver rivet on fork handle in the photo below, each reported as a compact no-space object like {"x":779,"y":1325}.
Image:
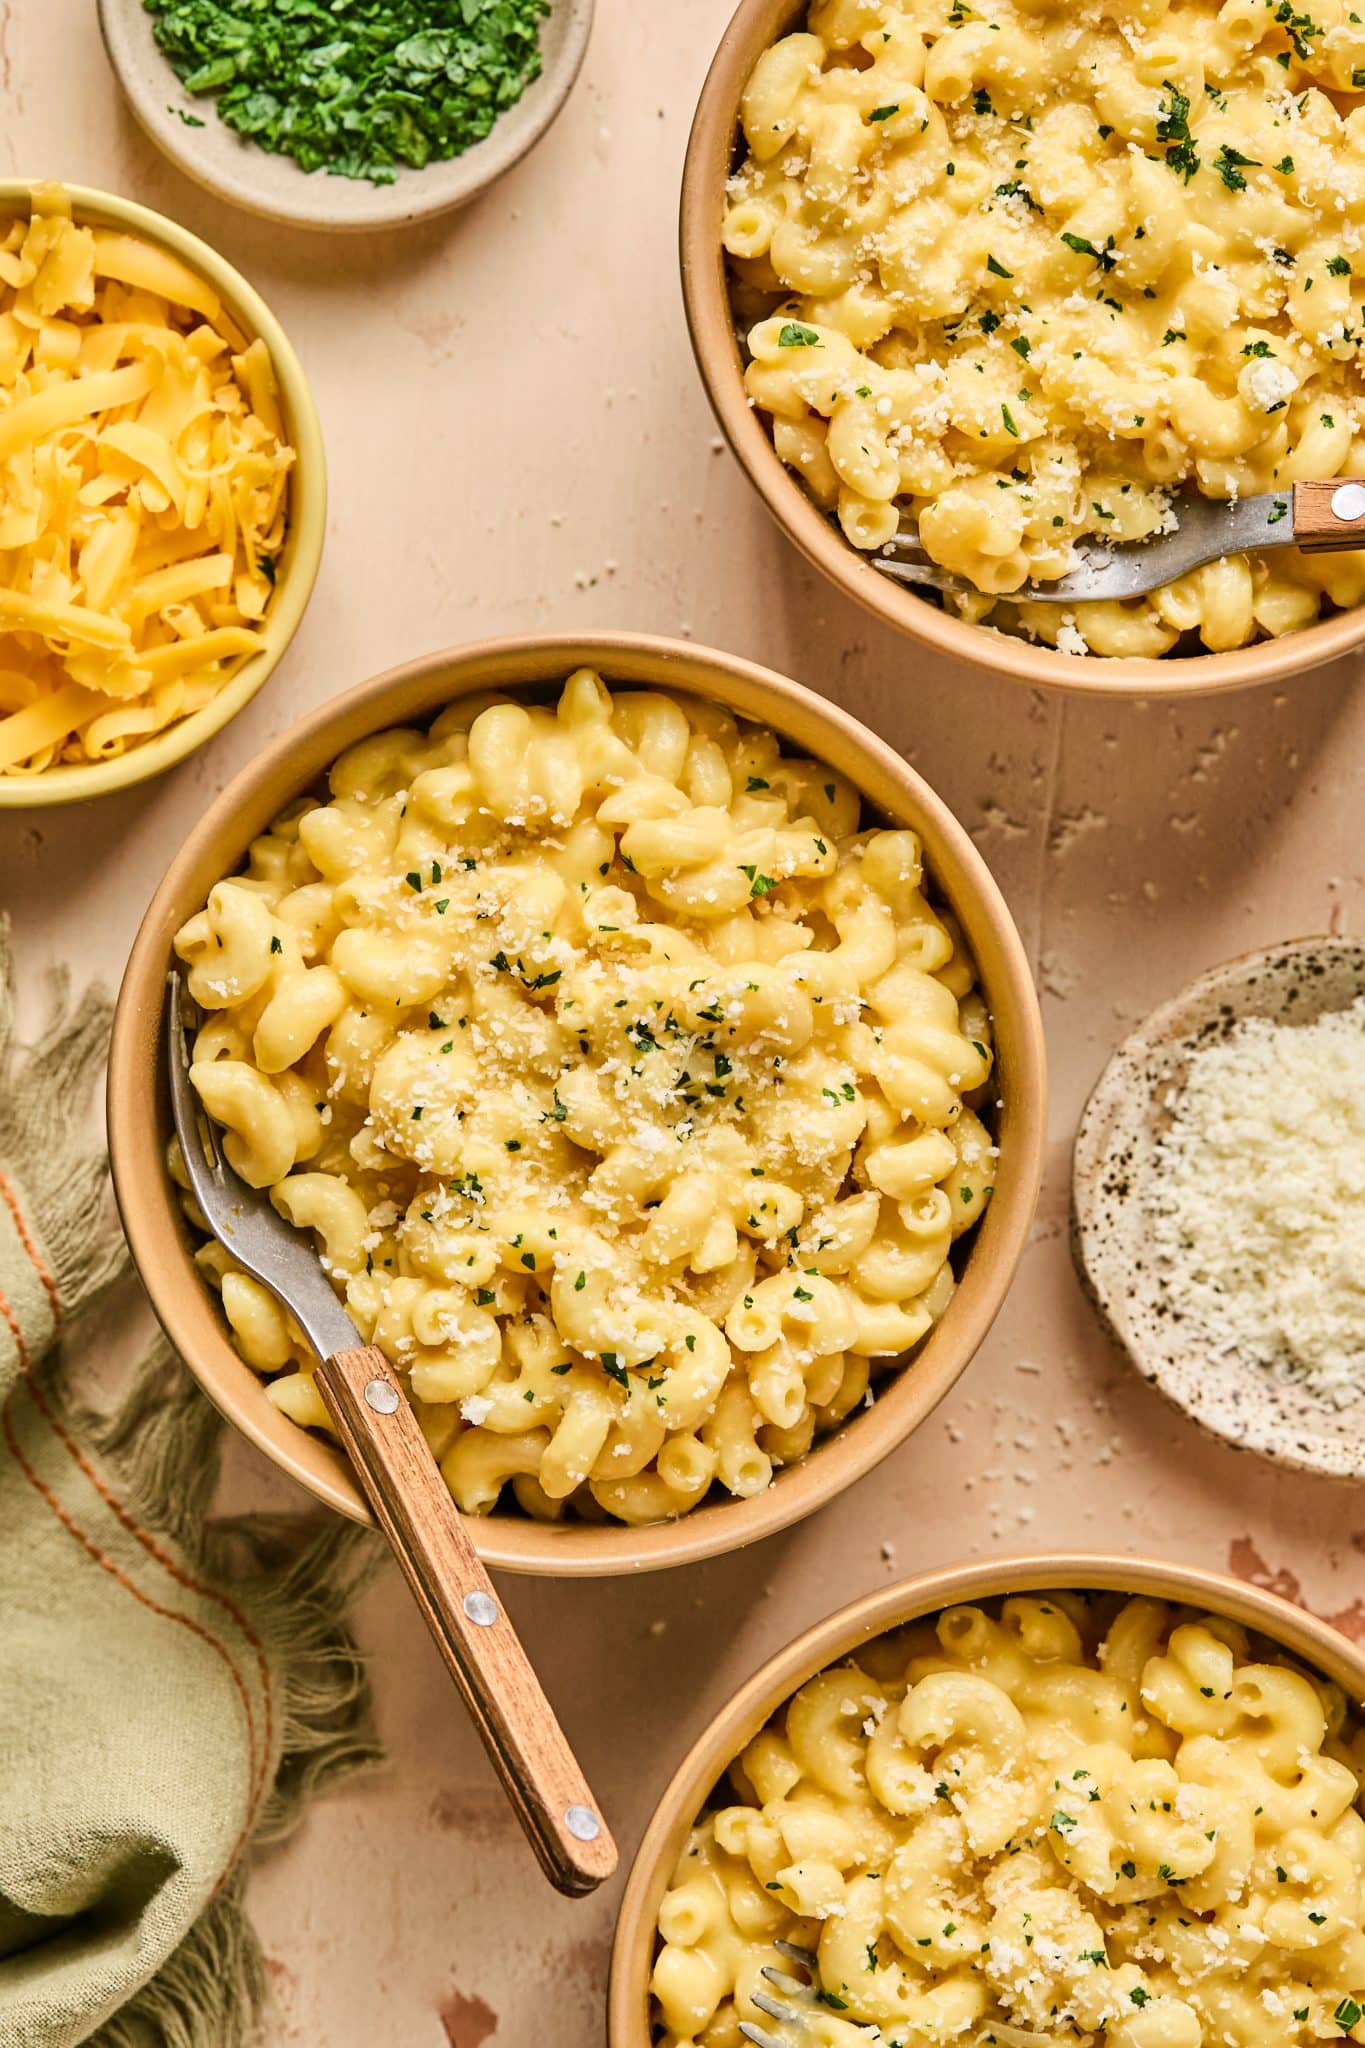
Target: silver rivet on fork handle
{"x":1348,"y":501}
{"x":382,"y":1396}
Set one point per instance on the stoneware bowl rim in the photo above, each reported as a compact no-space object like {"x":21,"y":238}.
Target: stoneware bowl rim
{"x":754,"y":25}
{"x":289,"y":764}
{"x":307,"y":506}
{"x":823,"y":1644}
{"x":275,"y":188}
{"x":1273,"y":1422}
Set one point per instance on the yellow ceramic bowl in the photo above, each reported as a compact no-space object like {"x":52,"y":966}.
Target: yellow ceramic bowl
{"x":734,"y":1727}
{"x":298,"y":568}
{"x":139,"y":1121}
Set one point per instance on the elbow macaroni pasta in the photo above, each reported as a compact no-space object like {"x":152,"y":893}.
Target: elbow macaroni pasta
{"x":143,"y":491}
{"x":1055,"y":1817}
{"x":1018,"y":269}
{"x":629,"y":1086}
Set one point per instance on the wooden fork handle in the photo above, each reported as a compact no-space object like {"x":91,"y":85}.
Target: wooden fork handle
{"x":1330,"y":514}
{"x":413,"y":1507}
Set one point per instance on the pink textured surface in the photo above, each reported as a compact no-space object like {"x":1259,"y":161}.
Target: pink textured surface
{"x":517,"y":439}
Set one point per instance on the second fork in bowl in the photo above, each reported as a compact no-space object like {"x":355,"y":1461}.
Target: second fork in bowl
{"x":995,"y":275}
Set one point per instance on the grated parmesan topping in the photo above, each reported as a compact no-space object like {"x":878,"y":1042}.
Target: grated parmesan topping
{"x":1259,"y":1208}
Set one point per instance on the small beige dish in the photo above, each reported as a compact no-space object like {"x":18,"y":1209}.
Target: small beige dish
{"x":711,"y":156}
{"x":215,"y":156}
{"x":851,"y":1630}
{"x":1231,"y":1397}
{"x":139,"y":1113}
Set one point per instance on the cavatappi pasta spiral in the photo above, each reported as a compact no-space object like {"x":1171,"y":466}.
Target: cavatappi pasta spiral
{"x":1053,"y":1818}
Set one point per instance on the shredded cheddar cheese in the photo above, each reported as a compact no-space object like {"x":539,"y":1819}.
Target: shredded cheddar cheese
{"x":143,"y":491}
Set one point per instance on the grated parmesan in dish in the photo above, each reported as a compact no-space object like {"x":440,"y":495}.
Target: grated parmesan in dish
{"x":1259,"y":1200}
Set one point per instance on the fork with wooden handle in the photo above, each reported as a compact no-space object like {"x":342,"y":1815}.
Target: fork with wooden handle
{"x":1318,"y":516}
{"x":411,"y":1503}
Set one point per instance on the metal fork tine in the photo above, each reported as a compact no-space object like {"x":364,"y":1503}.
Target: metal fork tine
{"x":805,"y":1956}
{"x":188,"y":1111}
{"x":805,"y":1994}
{"x":242,"y":1217}
{"x":775,"y":2009}
{"x":780,"y":1981}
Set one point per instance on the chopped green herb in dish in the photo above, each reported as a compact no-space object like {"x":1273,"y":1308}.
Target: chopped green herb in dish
{"x":360,"y":88}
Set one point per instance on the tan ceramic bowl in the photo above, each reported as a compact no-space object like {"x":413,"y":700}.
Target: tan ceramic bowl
{"x":139,"y":1119}
{"x":711,"y":156}
{"x":628,"y":2022}
{"x":76,"y":782}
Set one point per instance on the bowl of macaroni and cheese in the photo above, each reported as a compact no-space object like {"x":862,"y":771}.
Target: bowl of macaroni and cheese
{"x":164,"y":490}
{"x":651,"y":1059}
{"x":1068,"y":1799}
{"x":1015,"y":276}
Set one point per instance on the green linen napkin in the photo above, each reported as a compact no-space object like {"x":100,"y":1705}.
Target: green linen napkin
{"x":172,"y":1688}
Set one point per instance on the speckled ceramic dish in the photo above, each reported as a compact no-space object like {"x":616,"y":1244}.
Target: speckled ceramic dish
{"x":274,"y":186}
{"x":1115,"y":1159}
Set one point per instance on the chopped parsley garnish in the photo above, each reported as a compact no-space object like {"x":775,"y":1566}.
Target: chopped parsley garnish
{"x":1183,"y":159}
{"x":1298,"y":27}
{"x":1174,"y":125}
{"x":885,"y":113}
{"x":1008,"y":418}
{"x":1230,"y":163}
{"x":997,"y":269}
{"x":793,"y":335}
{"x":1103,"y":257}
{"x":1173,"y":128}
{"x":1347,"y":2014}
{"x":397,"y":83}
